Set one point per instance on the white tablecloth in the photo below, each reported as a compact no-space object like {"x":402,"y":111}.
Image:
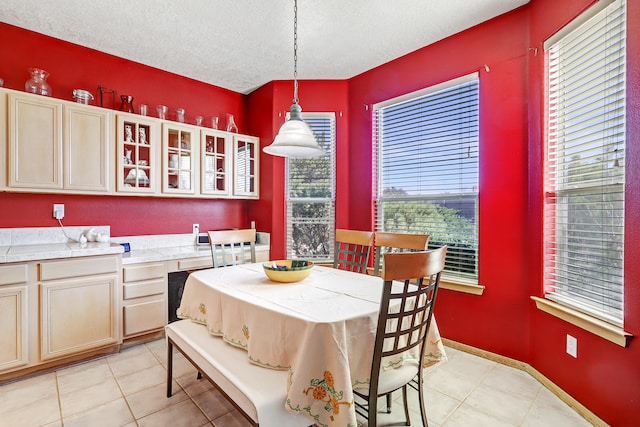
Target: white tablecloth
{"x":321,"y":329}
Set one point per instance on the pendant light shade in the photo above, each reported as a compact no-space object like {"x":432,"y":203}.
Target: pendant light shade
{"x":295,"y":138}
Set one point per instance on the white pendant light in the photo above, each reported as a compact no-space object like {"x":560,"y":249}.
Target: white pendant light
{"x":295,"y":138}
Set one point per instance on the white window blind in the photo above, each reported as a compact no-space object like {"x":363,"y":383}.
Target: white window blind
{"x":585,"y":166}
{"x":427,"y":170}
{"x":311,"y":195}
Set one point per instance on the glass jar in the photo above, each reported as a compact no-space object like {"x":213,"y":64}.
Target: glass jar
{"x":38,"y":82}
{"x":82,"y":96}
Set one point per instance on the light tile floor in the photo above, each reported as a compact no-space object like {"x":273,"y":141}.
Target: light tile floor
{"x":128,"y":389}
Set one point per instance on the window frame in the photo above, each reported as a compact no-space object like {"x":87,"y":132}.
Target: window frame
{"x":458,"y":281}
{"x":553,"y":211}
{"x":329,"y":202}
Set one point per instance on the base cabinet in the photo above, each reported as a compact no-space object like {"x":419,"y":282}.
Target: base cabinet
{"x":144,"y":299}
{"x":58,"y":311}
{"x":78,"y":311}
{"x":13,"y":317}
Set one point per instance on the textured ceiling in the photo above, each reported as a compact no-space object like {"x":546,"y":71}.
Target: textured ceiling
{"x":242,"y":44}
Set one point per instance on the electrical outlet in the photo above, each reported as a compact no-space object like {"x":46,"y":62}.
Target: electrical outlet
{"x":58,"y":211}
{"x":572,"y":346}
{"x":196,"y":228}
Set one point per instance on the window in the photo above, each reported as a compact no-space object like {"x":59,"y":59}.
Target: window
{"x":427,"y":170}
{"x":310,"y":195}
{"x":585,"y":165}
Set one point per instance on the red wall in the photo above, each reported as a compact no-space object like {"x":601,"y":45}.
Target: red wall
{"x":605,"y":377}
{"x":72,"y":66}
{"x":487,"y":321}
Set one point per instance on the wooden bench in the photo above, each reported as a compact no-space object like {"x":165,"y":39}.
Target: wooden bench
{"x":258,"y":393}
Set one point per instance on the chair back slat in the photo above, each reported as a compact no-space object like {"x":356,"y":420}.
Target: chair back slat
{"x":228,"y":247}
{"x":352,"y":250}
{"x":396,"y":242}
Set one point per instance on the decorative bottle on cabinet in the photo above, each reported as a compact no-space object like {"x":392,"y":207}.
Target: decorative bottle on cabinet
{"x":38,"y":82}
{"x":127,"y":103}
{"x":231,"y":124}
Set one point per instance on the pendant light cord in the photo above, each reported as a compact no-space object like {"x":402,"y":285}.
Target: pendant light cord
{"x":295,"y":51}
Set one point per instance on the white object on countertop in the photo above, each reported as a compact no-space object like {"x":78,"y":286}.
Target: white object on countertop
{"x":102,"y":238}
{"x":91,"y":235}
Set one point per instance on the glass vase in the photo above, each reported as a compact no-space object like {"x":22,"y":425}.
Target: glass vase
{"x":231,"y":124}
{"x":38,"y":82}
{"x":127,"y":103}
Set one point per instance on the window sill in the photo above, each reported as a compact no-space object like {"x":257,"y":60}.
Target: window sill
{"x":467,"y":288}
{"x":595,"y":326}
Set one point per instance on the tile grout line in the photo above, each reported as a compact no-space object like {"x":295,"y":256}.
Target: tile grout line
{"x":462,"y":402}
{"x":59,"y":398}
{"x":526,"y":415}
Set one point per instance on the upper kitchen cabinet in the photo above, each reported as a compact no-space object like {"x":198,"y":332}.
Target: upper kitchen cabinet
{"x":57,"y":146}
{"x":35,"y":142}
{"x":180,"y":146}
{"x":87,"y":136}
{"x":215,"y":163}
{"x":137,"y":140}
{"x":246,"y":161}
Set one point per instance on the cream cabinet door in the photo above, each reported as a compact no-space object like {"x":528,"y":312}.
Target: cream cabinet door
{"x":35,"y":142}
{"x":86,"y":148}
{"x":216,"y":157}
{"x":246,"y":166}
{"x":13,"y":324}
{"x":180,"y":147}
{"x":138,"y":141}
{"x":77,"y":314}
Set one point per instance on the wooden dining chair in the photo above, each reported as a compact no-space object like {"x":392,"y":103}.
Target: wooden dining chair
{"x":352,"y":250}
{"x":403,"y":323}
{"x":393,"y":243}
{"x":229,"y":247}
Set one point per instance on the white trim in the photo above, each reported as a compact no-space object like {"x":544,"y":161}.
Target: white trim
{"x":426,"y":91}
{"x":577,"y":22}
{"x":597,"y":327}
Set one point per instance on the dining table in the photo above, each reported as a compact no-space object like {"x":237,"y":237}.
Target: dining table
{"x":321,"y":330}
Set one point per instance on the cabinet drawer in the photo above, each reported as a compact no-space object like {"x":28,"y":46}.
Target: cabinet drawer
{"x":11,"y":274}
{"x":78,"y":267}
{"x":144,"y":317}
{"x":143,"y":272}
{"x":143,"y":289}
{"x":195,"y":263}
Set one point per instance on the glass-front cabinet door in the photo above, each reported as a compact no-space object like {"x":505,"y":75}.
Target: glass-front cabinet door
{"x":215,"y":158}
{"x":137,"y":140}
{"x":180,"y":144}
{"x":246,"y":166}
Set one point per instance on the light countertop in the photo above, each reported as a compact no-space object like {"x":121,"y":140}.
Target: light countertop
{"x":35,"y":244}
{"x":25,"y":253}
{"x":179,"y":252}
